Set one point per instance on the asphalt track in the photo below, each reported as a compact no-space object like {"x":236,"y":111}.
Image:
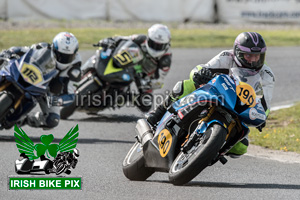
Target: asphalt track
{"x":105,"y":139}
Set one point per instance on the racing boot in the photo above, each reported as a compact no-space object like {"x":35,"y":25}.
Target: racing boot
{"x":238,"y":149}
{"x":34,"y":119}
{"x":155,"y":116}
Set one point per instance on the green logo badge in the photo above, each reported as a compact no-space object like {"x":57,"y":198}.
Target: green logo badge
{"x":51,"y":158}
{"x":65,"y":153}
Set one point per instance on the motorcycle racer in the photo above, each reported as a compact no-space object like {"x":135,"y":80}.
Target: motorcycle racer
{"x":248,"y":54}
{"x":153,"y":68}
{"x":67,"y":61}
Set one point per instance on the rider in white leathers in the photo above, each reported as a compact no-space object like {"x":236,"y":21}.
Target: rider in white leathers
{"x":248,"y":53}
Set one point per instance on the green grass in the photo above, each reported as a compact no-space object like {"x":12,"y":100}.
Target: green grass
{"x":187,"y":38}
{"x":282,"y":131}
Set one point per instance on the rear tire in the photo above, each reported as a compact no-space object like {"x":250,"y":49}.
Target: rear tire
{"x":67,"y":111}
{"x":87,"y":86}
{"x":187,"y":166}
{"x":134,"y":164}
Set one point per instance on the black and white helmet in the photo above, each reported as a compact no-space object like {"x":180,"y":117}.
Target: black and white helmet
{"x":64,"y":49}
{"x":158,"y":40}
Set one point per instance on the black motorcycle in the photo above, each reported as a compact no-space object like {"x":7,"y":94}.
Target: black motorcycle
{"x":106,"y":81}
{"x":197,"y":130}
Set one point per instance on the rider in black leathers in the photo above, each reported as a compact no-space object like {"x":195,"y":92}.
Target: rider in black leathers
{"x":156,"y":60}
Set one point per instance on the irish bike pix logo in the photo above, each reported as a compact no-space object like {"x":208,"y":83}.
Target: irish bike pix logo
{"x":46,"y":158}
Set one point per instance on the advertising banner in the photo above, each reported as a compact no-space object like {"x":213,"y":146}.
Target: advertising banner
{"x":55,"y":9}
{"x":167,"y":10}
{"x":270,"y":11}
{"x":115,"y":10}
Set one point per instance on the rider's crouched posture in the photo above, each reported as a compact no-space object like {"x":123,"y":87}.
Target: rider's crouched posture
{"x":61,"y":55}
{"x":155,"y":64}
{"x":248,"y":52}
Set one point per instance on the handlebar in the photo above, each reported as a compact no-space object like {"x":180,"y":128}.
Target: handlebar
{"x":96,"y":45}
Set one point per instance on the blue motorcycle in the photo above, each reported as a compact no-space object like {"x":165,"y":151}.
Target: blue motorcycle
{"x":198,"y":129}
{"x":22,"y":82}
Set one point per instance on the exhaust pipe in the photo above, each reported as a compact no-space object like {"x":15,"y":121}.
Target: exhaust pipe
{"x":143,"y":130}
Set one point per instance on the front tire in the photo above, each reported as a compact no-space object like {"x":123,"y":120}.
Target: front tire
{"x":60,"y":168}
{"x":134,"y":164}
{"x":186,"y":166}
{"x":5,"y":103}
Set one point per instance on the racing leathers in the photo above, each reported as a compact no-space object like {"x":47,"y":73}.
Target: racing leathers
{"x":219,"y":64}
{"x":59,"y":93}
{"x":150,"y":71}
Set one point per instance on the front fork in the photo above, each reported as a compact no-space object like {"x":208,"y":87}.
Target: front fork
{"x":204,"y":123}
{"x":17,"y":102}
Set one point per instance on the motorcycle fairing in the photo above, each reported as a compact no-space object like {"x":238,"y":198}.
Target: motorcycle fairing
{"x":221,"y":91}
{"x":24,"y":92}
{"x":13,"y":73}
{"x":109,"y":73}
{"x":115,"y":75}
{"x":152,"y":149}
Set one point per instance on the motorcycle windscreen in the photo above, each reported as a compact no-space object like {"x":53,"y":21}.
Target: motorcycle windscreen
{"x":37,"y":67}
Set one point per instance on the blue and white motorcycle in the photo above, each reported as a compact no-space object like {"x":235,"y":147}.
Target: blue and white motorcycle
{"x":198,"y":129}
{"x":22,"y":82}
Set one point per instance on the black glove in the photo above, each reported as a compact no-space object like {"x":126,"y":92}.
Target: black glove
{"x":260,"y":127}
{"x":5,"y":56}
{"x":202,"y":76}
{"x":9,"y":54}
{"x":107,"y":43}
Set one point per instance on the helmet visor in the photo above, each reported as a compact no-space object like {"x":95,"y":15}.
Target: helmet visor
{"x":63,"y":57}
{"x":157,"y":46}
{"x":252,"y":60}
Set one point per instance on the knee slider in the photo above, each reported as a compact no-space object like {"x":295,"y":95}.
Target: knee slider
{"x":177,"y":90}
{"x":52,"y":120}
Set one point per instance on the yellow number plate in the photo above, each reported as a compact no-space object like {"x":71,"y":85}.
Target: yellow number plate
{"x":164,"y":142}
{"x":124,"y":57}
{"x":31,"y":74}
{"x":246,"y":94}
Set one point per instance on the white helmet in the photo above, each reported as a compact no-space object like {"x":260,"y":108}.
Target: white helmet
{"x":64,"y":48}
{"x":158,"y":41}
